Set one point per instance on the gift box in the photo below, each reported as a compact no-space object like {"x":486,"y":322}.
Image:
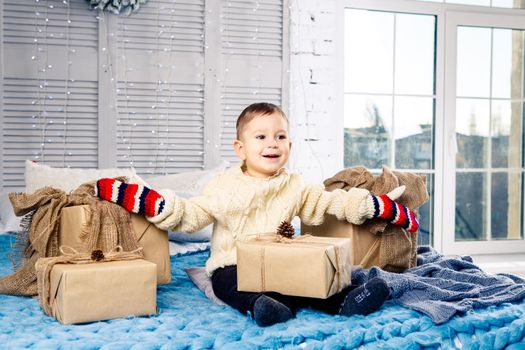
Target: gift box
{"x":365,"y":245}
{"x":153,"y":240}
{"x":97,"y":291}
{"x":307,"y":266}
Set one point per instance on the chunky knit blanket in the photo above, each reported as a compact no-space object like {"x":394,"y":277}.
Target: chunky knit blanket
{"x":188,"y":320}
{"x":442,"y":286}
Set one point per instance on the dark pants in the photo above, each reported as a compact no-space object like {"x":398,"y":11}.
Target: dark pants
{"x":224,"y":282}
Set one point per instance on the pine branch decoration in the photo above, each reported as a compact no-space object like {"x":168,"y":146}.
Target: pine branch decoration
{"x":124,"y":7}
{"x":286,"y":229}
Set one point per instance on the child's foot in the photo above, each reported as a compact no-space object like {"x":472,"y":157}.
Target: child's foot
{"x":268,"y":311}
{"x":365,"y":299}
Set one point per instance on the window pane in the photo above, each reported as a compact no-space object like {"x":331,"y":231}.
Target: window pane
{"x":505,"y":201}
{"x":413,"y":132}
{"x":502,"y":63}
{"x":506,"y":140}
{"x":367,"y":128}
{"x":470,"y":206}
{"x":425,"y":236}
{"x":509,"y":3}
{"x":414,"y":54}
{"x":473,"y":66}
{"x":369,"y":50}
{"x":472,"y":132}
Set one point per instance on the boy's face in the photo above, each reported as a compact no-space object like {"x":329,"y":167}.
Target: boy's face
{"x":264,"y":145}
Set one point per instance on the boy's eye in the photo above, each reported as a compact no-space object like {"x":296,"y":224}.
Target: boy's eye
{"x":260,"y":137}
{"x":282,"y":137}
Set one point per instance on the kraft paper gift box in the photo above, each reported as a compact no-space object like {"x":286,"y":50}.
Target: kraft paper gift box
{"x":153,"y":240}
{"x":306,"y":266}
{"x":98,"y":291}
{"x":365,"y":245}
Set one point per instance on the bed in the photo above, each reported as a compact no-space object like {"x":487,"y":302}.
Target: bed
{"x":187,"y":319}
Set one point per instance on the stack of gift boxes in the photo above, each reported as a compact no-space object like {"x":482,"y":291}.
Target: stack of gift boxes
{"x":308,"y":265}
{"x":98,"y":289}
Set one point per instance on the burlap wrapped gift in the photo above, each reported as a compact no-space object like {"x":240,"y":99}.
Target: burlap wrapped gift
{"x":375,"y":242}
{"x":75,"y":289}
{"x":154,"y":241}
{"x":307,"y":266}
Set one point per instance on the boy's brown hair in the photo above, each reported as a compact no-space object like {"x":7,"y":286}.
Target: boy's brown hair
{"x":254,"y":110}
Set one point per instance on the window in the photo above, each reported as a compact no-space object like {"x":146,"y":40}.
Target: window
{"x":444,"y":100}
{"x":389,"y":94}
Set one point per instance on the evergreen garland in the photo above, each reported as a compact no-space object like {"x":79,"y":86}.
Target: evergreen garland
{"x":117,"y":7}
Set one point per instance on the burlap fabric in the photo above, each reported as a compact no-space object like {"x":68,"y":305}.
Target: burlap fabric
{"x":70,"y":256}
{"x":398,"y":246}
{"x":108,"y":227}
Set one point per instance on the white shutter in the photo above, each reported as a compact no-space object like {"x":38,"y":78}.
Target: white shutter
{"x":160,"y":57}
{"x":49,"y":89}
{"x":158,"y":90}
{"x":252,"y":61}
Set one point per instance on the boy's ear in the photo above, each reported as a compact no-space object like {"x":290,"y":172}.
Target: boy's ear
{"x":238,"y":147}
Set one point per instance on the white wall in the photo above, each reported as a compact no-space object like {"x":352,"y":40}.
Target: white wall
{"x":315,"y":89}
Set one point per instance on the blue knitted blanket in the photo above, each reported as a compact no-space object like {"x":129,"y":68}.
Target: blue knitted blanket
{"x":188,"y":320}
{"x":443,"y":286}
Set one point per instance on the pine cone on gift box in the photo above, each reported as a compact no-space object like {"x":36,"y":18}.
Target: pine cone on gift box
{"x":286,"y":229}
{"x":97,"y":255}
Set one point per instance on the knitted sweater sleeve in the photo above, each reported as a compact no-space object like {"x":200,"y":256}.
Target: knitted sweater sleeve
{"x":186,"y":215}
{"x":349,"y":205}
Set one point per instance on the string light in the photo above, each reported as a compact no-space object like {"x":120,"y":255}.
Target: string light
{"x":168,"y":83}
{"x":127,"y":141}
{"x":153,"y":167}
{"x":45,"y":107}
{"x":165,"y":92}
{"x":66,"y":85}
{"x":42,"y":83}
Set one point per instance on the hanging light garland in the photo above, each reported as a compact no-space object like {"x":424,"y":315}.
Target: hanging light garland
{"x":46,"y":110}
{"x":124,"y":7}
{"x":67,"y":92}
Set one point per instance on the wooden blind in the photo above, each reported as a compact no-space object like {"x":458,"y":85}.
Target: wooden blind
{"x":158,"y":90}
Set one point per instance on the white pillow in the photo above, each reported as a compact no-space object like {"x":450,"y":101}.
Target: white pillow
{"x":9,"y":221}
{"x":188,"y":185}
{"x":68,"y":179}
{"x":191,"y":183}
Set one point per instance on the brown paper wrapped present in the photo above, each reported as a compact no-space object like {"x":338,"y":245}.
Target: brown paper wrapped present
{"x":365,"y":245}
{"x":153,"y":240}
{"x":375,"y":242}
{"x":305,"y":266}
{"x":74,"y":290}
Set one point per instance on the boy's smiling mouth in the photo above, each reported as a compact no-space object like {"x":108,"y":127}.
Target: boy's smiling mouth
{"x":271,"y":156}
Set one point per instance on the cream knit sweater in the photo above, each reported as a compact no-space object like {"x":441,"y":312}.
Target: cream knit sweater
{"x":241,"y":206}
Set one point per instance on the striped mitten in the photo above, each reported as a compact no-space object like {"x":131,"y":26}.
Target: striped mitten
{"x":394,"y":212}
{"x":135,"y":198}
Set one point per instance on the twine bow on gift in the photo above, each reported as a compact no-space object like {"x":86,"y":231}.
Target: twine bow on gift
{"x":71,"y":255}
{"x":44,"y":266}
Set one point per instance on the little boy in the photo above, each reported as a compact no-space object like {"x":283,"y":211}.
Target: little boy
{"x":255,"y":197}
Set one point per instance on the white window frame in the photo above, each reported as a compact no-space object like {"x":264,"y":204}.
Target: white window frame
{"x":455,"y":19}
{"x":444,"y":123}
